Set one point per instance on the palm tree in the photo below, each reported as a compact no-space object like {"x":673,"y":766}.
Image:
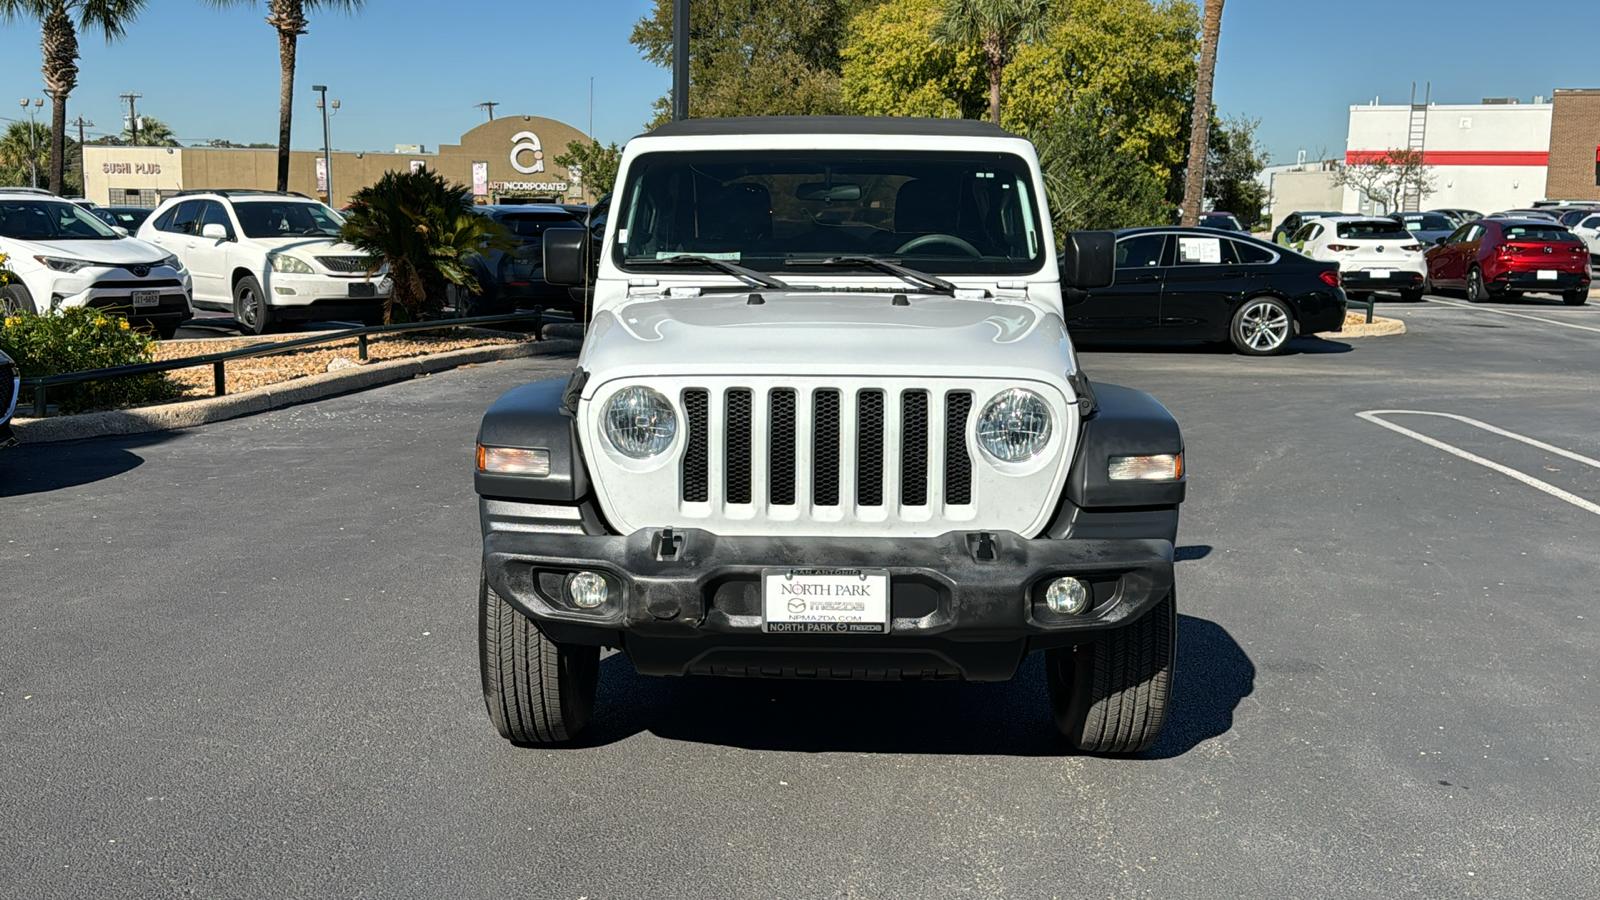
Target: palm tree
{"x":289,"y":18}
{"x":60,"y":45}
{"x":424,"y":230}
{"x":1200,"y":131}
{"x":152,"y":133}
{"x":997,"y":26}
{"x":24,"y":149}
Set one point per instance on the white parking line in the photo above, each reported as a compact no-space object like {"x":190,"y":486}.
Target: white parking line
{"x":1507,"y":312}
{"x":1372,"y":415}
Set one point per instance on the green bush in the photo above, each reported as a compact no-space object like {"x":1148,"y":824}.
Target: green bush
{"x":77,"y":340}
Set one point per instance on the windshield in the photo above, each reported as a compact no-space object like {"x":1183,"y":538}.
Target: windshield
{"x":1384,"y":229}
{"x":277,"y":218}
{"x":44,"y":220}
{"x":969,"y":213}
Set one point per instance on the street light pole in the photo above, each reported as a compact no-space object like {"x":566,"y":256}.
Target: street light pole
{"x":327,"y":145}
{"x":33,"y":137}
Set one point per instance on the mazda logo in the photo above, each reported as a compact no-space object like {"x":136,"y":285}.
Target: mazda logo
{"x":1380,"y":249}
{"x":139,"y":271}
{"x":1549,"y":249}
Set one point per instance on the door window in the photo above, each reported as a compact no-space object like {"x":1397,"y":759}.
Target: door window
{"x":1202,"y":251}
{"x":1474,"y":233}
{"x":212,"y":213}
{"x":1141,"y":251}
{"x":183,"y":219}
{"x":1591,"y":222}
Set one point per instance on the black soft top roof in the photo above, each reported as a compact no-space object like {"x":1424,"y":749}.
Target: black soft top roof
{"x":894,"y":125}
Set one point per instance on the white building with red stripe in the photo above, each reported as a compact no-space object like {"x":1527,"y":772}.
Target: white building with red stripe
{"x":1487,"y":157}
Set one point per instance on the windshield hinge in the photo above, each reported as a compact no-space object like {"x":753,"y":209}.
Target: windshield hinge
{"x":643,"y":287}
{"x":1011,"y":290}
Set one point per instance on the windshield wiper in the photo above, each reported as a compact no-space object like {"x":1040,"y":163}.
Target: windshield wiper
{"x":911,"y":276}
{"x":758,"y":279}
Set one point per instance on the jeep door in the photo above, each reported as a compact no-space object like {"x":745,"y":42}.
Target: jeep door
{"x":1202,"y":286}
{"x":1131,"y":308}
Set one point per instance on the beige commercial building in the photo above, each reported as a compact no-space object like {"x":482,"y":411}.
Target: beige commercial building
{"x":510,"y":157}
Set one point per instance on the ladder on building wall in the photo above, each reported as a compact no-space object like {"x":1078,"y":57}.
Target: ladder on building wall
{"x":1416,"y":141}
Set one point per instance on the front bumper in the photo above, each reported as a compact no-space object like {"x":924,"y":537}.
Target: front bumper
{"x":286,"y":290}
{"x":688,"y":601}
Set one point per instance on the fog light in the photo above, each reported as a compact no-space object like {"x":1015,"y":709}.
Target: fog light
{"x":587,"y":590}
{"x":1068,"y":596}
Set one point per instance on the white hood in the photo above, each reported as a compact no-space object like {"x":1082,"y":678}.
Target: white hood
{"x":307,"y":245}
{"x":804,"y":333}
{"x":123,"y":251}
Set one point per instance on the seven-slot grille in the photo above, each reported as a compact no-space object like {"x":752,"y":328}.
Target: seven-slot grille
{"x":869,"y":448}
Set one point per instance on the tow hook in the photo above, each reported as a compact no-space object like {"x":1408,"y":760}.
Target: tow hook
{"x":982,"y":546}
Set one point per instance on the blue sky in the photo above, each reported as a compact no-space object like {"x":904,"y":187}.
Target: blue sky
{"x":409,"y":71}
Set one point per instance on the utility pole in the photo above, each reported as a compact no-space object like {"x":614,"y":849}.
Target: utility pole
{"x":680,"y":60}
{"x":133,"y":119}
{"x":327,"y":145}
{"x":83,"y":167}
{"x":487,"y":107}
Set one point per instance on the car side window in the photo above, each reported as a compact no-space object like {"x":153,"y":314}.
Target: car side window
{"x":183,"y":218}
{"x":1249,"y":254}
{"x":1140,"y":251}
{"x":212,"y":213}
{"x":1202,"y":251}
{"x":1474,"y":232}
{"x":1591,"y":222}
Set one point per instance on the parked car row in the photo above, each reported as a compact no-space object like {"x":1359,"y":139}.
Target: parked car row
{"x":515,"y":280}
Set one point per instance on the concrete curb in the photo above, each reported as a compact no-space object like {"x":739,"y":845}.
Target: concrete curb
{"x":1379,"y":327}
{"x":189,"y":414}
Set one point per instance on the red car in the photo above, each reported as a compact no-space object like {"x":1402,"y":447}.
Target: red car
{"x":1499,"y":258}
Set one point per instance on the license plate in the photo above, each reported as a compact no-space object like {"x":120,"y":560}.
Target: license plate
{"x":1380,"y":273}
{"x":146,"y":298}
{"x":363,"y":289}
{"x":825,"y":601}
{"x":1547,"y":275}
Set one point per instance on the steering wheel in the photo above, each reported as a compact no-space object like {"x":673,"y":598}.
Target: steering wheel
{"x":917,"y":243}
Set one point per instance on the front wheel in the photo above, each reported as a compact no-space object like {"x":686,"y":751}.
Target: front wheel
{"x":1262,"y":326}
{"x":250,"y":307}
{"x":15,"y":300}
{"x":537,"y":691}
{"x":1111,"y":696}
{"x":1574,"y":298}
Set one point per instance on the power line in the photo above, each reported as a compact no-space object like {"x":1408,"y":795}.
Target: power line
{"x":487,"y":107}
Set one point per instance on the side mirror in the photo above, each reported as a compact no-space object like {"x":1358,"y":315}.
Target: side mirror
{"x":565,"y":250}
{"x":1089,"y":260}
{"x":120,"y":230}
{"x":212,"y":231}
{"x":1439,"y":241}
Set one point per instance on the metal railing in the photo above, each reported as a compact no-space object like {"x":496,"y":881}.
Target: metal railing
{"x":218,"y":361}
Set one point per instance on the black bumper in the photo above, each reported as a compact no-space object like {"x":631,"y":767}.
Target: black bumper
{"x":963,"y":605}
{"x":1399,"y":281}
{"x":1530,"y":281}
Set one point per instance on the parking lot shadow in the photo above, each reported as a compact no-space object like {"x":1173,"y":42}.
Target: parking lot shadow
{"x":1306,"y":344}
{"x":39,"y":468}
{"x":1005,"y":719}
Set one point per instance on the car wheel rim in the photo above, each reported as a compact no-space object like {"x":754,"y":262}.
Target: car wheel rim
{"x":247,"y":306}
{"x":1264,"y":326}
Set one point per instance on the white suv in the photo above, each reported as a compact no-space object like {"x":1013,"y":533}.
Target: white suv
{"x":267,"y":257}
{"x":63,"y":256}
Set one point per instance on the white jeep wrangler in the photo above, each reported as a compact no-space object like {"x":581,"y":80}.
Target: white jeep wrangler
{"x":827,"y":423}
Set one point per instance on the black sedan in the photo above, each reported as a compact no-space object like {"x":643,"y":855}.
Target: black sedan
{"x":10,"y":384}
{"x":508,"y":281}
{"x":1191,"y":284}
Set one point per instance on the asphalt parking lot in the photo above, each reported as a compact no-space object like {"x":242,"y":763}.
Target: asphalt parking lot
{"x":240,"y":661}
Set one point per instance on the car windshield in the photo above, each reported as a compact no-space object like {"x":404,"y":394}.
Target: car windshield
{"x":1538,"y":233}
{"x":937,"y":212}
{"x":46,"y":220}
{"x":278,"y":218}
{"x":533,"y":224}
{"x":1429,"y":223}
{"x":1383,"y":230}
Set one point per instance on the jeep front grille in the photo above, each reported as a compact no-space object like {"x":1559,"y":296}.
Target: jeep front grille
{"x":865,"y":464}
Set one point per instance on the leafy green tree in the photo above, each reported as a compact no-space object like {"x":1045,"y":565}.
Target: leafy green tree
{"x":893,"y":67}
{"x":424,"y":228}
{"x":1236,"y":161}
{"x":1091,"y":178}
{"x":288,"y":18}
{"x":753,"y":57}
{"x":1135,"y":57}
{"x":59,"y":23}
{"x":997,"y":27}
{"x":595,"y":165}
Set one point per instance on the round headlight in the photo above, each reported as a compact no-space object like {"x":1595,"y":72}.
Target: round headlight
{"x":1015,"y":426}
{"x":640,"y":423}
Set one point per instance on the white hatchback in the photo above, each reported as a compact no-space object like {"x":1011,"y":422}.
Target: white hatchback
{"x":268,"y":258}
{"x":64,"y":256}
{"x":1374,"y":254}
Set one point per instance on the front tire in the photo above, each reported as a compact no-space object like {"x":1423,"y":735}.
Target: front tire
{"x":1111,"y":696}
{"x":1574,"y":298}
{"x":15,"y":300}
{"x":536,"y":691}
{"x":1262,"y":326}
{"x":250,"y":307}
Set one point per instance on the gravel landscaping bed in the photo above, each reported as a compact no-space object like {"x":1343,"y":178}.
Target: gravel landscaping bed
{"x":248,"y":374}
